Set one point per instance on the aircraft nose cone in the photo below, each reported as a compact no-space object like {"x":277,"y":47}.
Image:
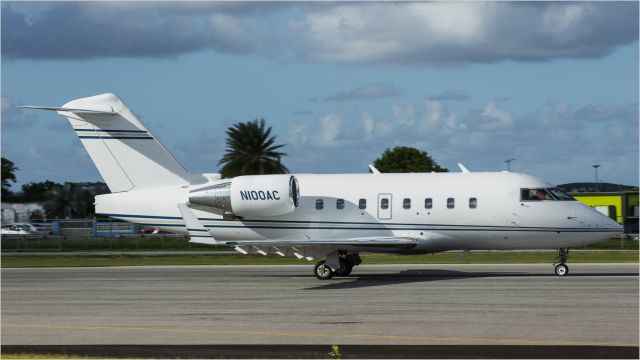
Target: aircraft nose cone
{"x":595,"y":219}
{"x":609,"y":223}
{"x":614,"y":225}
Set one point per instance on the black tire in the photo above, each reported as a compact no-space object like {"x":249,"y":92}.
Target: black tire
{"x":562,"y":270}
{"x":345,"y":269}
{"x":322,"y":271}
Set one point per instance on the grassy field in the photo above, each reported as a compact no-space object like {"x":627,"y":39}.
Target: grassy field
{"x":135,"y":243}
{"x":173,"y":243}
{"x":441,"y":258}
{"x":45,"y":356}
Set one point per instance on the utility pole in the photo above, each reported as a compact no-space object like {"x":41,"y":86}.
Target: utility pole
{"x":509,"y":164}
{"x":595,"y":167}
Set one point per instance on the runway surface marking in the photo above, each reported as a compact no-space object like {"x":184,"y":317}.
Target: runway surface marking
{"x":308,"y":334}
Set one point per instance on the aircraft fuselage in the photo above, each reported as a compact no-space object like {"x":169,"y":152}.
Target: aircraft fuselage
{"x":443,"y":211}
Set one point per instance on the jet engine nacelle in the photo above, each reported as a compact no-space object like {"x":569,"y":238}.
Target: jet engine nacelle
{"x":249,"y":196}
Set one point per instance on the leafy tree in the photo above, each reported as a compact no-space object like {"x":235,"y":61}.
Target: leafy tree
{"x":68,"y":201}
{"x":36,"y":191}
{"x":8,"y":174}
{"x":403,"y":159}
{"x":251,"y":150}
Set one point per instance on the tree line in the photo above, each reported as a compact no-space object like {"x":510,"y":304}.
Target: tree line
{"x":68,"y":200}
{"x":251,"y":149}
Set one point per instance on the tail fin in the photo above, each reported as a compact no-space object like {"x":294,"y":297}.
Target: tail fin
{"x":126,"y":154}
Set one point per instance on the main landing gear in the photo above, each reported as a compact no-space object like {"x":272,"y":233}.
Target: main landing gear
{"x":337,"y":264}
{"x":562,"y":269}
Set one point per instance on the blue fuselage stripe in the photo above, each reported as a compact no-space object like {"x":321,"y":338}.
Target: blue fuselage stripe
{"x":113,"y":130}
{"x":117,"y":137}
{"x":144,"y":216}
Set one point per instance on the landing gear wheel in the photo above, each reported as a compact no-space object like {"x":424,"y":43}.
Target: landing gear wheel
{"x":345,"y":269}
{"x":322,"y":271}
{"x":562,"y":269}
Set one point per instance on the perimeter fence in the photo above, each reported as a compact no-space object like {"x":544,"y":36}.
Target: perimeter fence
{"x":95,"y":235}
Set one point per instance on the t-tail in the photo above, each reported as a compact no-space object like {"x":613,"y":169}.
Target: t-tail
{"x":126,"y":154}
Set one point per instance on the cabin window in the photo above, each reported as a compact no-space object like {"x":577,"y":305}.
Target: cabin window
{"x":451,"y":203}
{"x":406,"y":203}
{"x":362,"y":204}
{"x":473,"y":203}
{"x":428,"y":203}
{"x":340,"y":204}
{"x":384,"y":204}
{"x":319,"y":204}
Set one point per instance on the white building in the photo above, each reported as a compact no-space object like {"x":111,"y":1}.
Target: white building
{"x":19,"y":212}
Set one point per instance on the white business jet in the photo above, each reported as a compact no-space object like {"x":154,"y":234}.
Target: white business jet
{"x":330,"y":216}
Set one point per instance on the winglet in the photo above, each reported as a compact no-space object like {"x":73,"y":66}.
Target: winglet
{"x":463,"y":168}
{"x":373,"y":170}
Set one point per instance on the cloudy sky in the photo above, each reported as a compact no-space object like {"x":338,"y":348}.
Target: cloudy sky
{"x":553,"y":85}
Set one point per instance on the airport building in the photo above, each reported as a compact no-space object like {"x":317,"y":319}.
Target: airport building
{"x":622,"y":206}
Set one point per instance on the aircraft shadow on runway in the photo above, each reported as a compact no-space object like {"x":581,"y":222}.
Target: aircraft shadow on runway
{"x":402,"y":277}
{"x":422,"y":276}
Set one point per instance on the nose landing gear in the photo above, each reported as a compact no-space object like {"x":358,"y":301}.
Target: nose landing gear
{"x":562,"y":269}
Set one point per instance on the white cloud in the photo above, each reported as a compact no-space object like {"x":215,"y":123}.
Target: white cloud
{"x":7,"y":104}
{"x":433,"y":115}
{"x":368,"y":125}
{"x":13,"y":117}
{"x":405,"y":33}
{"x":482,"y":137}
{"x":368,"y":91}
{"x":453,"y":22}
{"x":445,"y":33}
{"x":371,"y":33}
{"x":497,"y":117}
{"x":557,"y":137}
{"x":563,"y":22}
{"x":297,"y":134}
{"x":451,"y":95}
{"x":452,"y":124}
{"x":330,"y":128}
{"x":403,"y":114}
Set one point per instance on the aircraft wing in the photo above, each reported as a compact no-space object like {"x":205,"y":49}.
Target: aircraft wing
{"x":365,"y":241}
{"x":312,"y":248}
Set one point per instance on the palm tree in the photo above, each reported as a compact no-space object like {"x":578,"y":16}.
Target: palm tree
{"x":251,"y":150}
{"x":67,"y":201}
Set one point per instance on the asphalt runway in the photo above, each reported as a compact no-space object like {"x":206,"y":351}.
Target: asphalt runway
{"x":596,"y":305}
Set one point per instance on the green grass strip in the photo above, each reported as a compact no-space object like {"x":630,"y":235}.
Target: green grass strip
{"x":58,"y":243}
{"x":441,"y":258}
{"x":45,"y":356}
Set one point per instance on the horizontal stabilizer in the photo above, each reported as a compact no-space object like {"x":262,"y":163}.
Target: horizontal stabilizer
{"x":95,"y":109}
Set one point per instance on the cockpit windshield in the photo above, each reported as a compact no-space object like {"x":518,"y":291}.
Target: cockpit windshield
{"x":539,"y":194}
